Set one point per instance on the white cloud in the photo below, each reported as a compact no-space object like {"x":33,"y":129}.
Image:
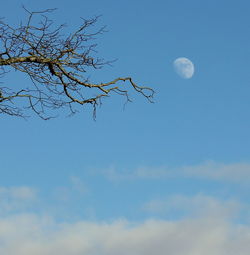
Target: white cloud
{"x":33,"y":235}
{"x":23,"y":192}
{"x":76,"y":188}
{"x":237,"y":172}
{"x":199,"y":205}
{"x":209,"y":231}
{"x":113,"y":174}
{"x":16,"y":198}
{"x":78,"y":185}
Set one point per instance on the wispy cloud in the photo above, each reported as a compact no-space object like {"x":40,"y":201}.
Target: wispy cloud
{"x":75,"y":188}
{"x":235,"y":172}
{"x":194,"y":206}
{"x":22,"y":193}
{"x":16,"y":198}
{"x":78,"y":185}
{"x":113,"y":174}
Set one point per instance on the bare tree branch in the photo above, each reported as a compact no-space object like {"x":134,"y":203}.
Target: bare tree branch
{"x":56,"y":65}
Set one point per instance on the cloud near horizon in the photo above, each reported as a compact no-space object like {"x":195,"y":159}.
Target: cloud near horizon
{"x":199,"y":223}
{"x":211,"y":229}
{"x":30,"y":234}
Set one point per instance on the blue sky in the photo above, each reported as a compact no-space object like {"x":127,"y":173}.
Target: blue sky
{"x":133,"y":179}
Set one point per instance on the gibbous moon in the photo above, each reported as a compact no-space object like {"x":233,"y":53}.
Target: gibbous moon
{"x":184,"y":67}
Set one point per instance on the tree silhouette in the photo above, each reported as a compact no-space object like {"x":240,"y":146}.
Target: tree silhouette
{"x":57,"y":65}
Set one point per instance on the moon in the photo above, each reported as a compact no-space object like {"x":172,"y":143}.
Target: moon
{"x":184,"y":68}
